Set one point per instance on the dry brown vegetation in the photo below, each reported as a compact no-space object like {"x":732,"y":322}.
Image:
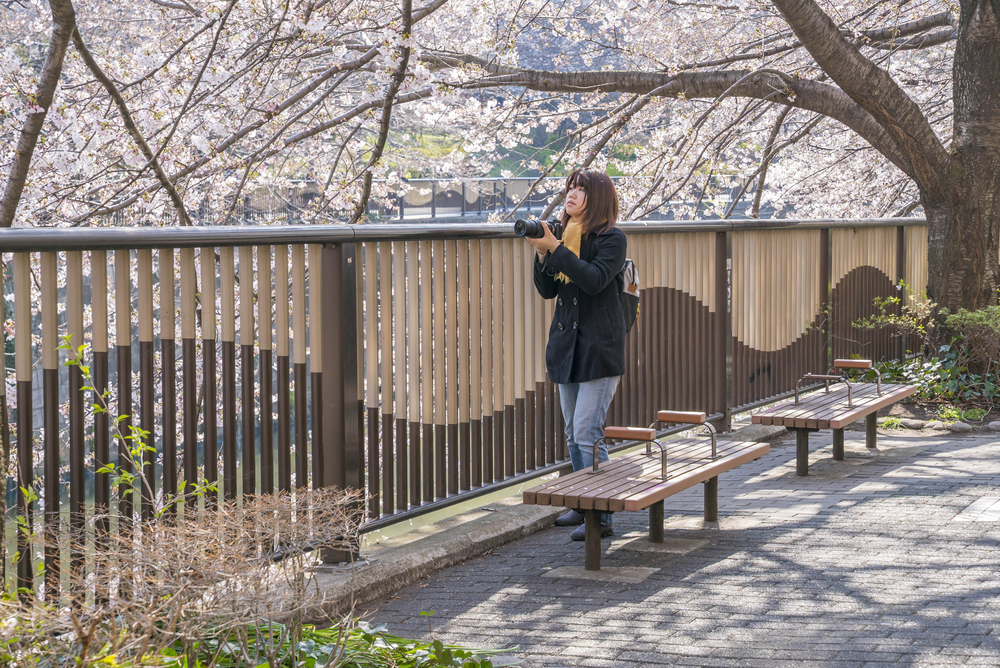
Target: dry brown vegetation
{"x":231,"y":586}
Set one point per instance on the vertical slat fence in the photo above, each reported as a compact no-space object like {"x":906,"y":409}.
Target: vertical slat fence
{"x":449,"y":370}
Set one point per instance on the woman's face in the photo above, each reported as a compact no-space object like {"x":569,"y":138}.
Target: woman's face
{"x":576,"y":201}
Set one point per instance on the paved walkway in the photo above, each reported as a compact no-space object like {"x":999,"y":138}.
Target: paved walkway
{"x":881,"y":560}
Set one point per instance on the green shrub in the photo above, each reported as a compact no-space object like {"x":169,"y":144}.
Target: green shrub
{"x":949,"y":414}
{"x":974,"y":414}
{"x":977,"y":337}
{"x":942,"y":378}
{"x":892,"y":422}
{"x":911,"y":318}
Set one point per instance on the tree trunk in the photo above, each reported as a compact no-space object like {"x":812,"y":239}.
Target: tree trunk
{"x":963,"y":221}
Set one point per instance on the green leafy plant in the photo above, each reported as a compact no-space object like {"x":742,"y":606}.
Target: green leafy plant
{"x":911,"y":317}
{"x":974,"y":414}
{"x":949,"y":414}
{"x":137,"y":442}
{"x":977,"y":335}
{"x":892,"y":422}
{"x":941,"y":378}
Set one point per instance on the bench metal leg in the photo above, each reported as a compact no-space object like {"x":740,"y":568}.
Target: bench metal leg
{"x":802,"y":451}
{"x":592,"y":545}
{"x":712,"y":499}
{"x":656,"y":522}
{"x":838,"y":445}
{"x":871,"y":430}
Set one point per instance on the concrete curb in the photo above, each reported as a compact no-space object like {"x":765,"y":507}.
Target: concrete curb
{"x":756,"y":433}
{"x":400,"y":561}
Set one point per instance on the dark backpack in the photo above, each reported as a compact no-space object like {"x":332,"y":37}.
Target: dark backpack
{"x":629,"y":296}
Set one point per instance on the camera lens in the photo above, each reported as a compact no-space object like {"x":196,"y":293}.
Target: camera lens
{"x":529,"y":228}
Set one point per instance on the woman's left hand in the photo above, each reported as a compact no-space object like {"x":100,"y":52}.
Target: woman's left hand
{"x":547,"y":243}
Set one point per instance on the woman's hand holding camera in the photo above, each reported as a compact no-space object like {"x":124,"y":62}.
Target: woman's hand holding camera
{"x":544,"y":244}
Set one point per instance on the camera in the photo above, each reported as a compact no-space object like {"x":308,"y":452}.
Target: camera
{"x":533,"y":228}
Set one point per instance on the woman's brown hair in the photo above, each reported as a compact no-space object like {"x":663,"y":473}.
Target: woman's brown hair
{"x":601,"y":213}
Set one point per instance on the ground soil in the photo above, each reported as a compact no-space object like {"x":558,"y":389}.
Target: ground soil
{"x":929,"y":411}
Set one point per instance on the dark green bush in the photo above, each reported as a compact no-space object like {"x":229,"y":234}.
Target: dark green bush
{"x":942,"y":378}
{"x":977,"y":337}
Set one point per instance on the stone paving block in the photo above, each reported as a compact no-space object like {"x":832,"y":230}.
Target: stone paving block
{"x":867,"y":569}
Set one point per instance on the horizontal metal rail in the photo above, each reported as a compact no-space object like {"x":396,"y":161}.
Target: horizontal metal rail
{"x":44,"y":239}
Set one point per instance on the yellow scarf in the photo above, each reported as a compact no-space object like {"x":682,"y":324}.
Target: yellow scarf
{"x":571,"y":237}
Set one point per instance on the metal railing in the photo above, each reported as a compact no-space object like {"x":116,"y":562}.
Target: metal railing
{"x":406,"y":360}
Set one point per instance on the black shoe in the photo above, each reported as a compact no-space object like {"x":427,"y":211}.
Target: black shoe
{"x":580,"y":533}
{"x":570,"y":519}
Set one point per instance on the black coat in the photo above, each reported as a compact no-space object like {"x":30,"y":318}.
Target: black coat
{"x":587,"y":335}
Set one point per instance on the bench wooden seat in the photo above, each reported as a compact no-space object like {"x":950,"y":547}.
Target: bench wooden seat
{"x":635,"y":481}
{"x":834,"y":409}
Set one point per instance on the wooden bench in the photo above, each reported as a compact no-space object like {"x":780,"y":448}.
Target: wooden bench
{"x":643,"y":480}
{"x":834,"y":408}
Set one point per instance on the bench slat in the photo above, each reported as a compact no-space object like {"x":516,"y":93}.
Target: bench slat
{"x":679,"y":469}
{"x":667,"y":488}
{"x":593,"y":485}
{"x":884,"y":400}
{"x":676,"y":466}
{"x":552,"y":493}
{"x":820,"y":419}
{"x":643,"y":473}
{"x":863,"y":405}
{"x":809,"y":402}
{"x":677,"y":461}
{"x":810,"y":406}
{"x":823,"y":411}
{"x":555,"y":491}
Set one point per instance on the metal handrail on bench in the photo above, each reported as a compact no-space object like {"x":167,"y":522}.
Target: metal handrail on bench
{"x":826,"y":378}
{"x":830,"y":376}
{"x":649,"y":451}
{"x":677,"y":417}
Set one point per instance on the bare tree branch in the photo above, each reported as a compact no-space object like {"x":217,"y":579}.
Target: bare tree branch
{"x":768,"y":156}
{"x":918,"y":42}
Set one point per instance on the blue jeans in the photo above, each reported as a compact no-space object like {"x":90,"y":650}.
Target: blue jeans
{"x":584,"y":409}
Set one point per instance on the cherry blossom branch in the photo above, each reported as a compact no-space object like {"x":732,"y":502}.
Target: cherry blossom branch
{"x":570,"y":142}
{"x":800,"y":93}
{"x":63,"y":22}
{"x":770,"y":151}
{"x":872,"y":88}
{"x":406,"y":10}
{"x":180,"y":4}
{"x":596,"y":149}
{"x":130,"y":125}
{"x":769,"y":154}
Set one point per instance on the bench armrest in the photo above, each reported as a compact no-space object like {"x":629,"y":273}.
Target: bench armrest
{"x":852,"y":364}
{"x":690,"y":417}
{"x":682,"y":417}
{"x":630,"y":433}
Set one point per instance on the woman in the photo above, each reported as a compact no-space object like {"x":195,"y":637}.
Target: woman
{"x":586,"y":351}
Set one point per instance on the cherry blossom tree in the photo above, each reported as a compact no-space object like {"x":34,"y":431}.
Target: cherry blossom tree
{"x":889,"y":105}
{"x":172,"y":110}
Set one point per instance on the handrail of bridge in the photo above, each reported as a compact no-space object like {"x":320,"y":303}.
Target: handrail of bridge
{"x":46,"y":239}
